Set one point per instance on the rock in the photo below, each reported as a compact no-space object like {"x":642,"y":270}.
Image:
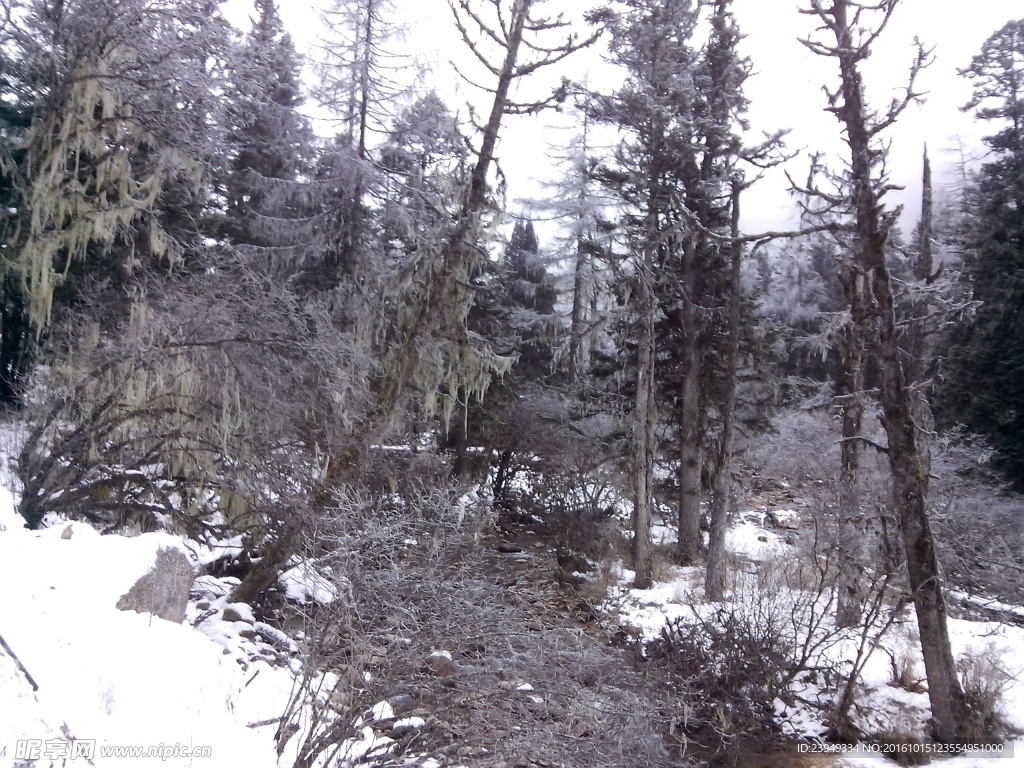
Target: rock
{"x":402,"y":704}
{"x":232,"y":614}
{"x":441,"y":664}
{"x":164,"y":590}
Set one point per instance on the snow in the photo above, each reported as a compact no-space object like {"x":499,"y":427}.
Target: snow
{"x":9,"y":519}
{"x":754,"y":541}
{"x":882,"y":706}
{"x":123,"y":679}
{"x":111,"y":680}
{"x":118,"y":678}
{"x":306,"y":583}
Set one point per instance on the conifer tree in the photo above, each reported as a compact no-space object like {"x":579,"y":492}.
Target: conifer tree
{"x":986,"y":359}
{"x":679,"y":110}
{"x":654,"y":108}
{"x":117,"y":97}
{"x":270,"y":145}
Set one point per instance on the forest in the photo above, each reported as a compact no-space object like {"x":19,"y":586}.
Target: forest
{"x":360,"y":352}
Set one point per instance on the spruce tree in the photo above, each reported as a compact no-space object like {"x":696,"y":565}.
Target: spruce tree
{"x":984,"y":385}
{"x":269,"y":144}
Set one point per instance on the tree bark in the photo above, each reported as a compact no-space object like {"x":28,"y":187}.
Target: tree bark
{"x":645,"y":412}
{"x":643,"y":452}
{"x":690,"y":431}
{"x":721,"y":495}
{"x":852,"y":528}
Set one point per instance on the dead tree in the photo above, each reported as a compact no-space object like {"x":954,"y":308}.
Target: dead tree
{"x":858,"y":199}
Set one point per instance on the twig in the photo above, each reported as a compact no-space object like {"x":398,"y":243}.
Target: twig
{"x":17,"y":661}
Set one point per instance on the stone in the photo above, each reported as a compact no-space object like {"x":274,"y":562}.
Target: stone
{"x":442,"y":664}
{"x":403,"y":704}
{"x":163,"y":591}
{"x":232,"y":614}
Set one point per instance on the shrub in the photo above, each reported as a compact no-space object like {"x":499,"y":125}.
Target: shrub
{"x":985,"y":680}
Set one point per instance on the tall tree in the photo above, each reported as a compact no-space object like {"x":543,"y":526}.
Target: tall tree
{"x":848,"y":42}
{"x":576,"y":202}
{"x":429,"y":346}
{"x":986,"y":359}
{"x":654,"y":110}
{"x":120,"y":108}
{"x":270,"y":143}
{"x":359,"y":81}
{"x":715,"y":202}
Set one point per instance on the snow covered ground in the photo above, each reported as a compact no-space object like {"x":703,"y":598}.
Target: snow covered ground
{"x":113,"y":685}
{"x":104,"y":687}
{"x":883,"y":706}
{"x":116,"y":688}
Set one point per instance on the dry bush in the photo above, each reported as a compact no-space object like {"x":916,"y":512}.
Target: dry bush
{"x":209,"y":409}
{"x":213,"y":412}
{"x":421,"y":585}
{"x":976,"y":520}
{"x":728,"y":664}
{"x":577,"y":511}
{"x":985,"y":680}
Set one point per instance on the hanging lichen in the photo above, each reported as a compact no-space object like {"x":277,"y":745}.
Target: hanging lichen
{"x":81,"y":183}
{"x":428,"y":347}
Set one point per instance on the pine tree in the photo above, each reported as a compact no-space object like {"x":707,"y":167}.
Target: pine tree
{"x":17,"y":330}
{"x":654,"y":109}
{"x":270,"y":146}
{"x":983,"y":389}
{"x":514,"y":310}
{"x":673,"y":173}
{"x":118,"y":98}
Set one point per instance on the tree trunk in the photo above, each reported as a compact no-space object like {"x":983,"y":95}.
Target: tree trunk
{"x":645,"y":412}
{"x":690,"y":448}
{"x":908,"y":474}
{"x":910,"y":485}
{"x":852,"y":530}
{"x":576,"y":358}
{"x":643,"y":454}
{"x":721,"y":495}
{"x":17,"y":341}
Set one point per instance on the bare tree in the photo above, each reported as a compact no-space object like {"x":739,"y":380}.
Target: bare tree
{"x":860,"y":200}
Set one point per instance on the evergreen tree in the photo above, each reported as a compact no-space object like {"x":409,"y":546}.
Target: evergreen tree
{"x":358,"y":83}
{"x":673,"y":173}
{"x":654,"y":109}
{"x":17,"y":330}
{"x":115,"y":106}
{"x":514,"y":310}
{"x":984,"y":385}
{"x":270,"y":144}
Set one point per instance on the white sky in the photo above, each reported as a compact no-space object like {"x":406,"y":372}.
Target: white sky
{"x":785,"y":91}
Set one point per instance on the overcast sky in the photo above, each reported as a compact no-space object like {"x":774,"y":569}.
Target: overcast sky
{"x":785,"y":91}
